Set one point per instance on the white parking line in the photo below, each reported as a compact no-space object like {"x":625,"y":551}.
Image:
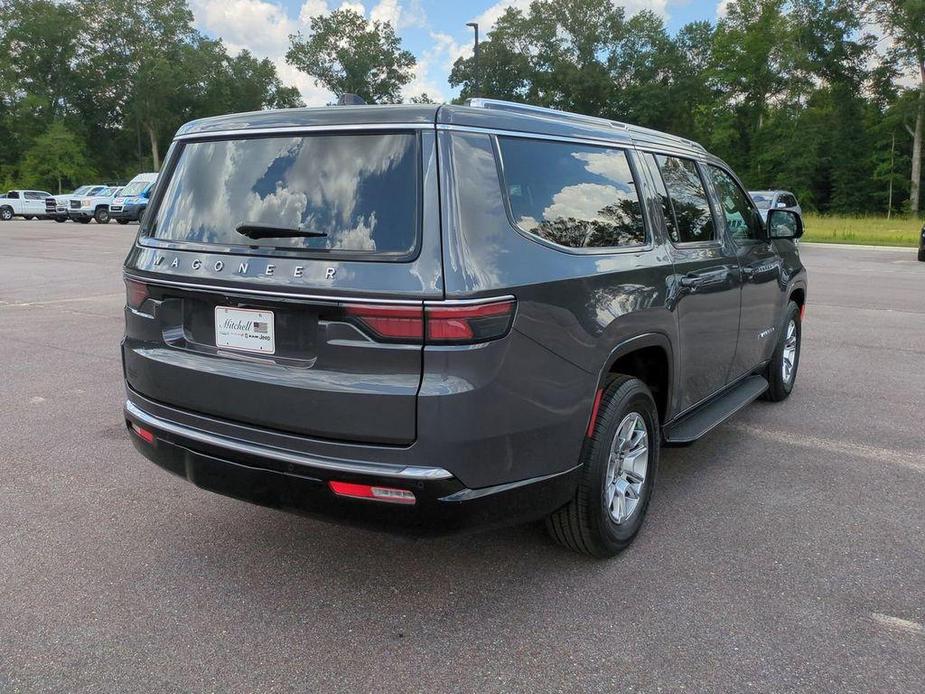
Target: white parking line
{"x":897,"y":623}
{"x":847,"y":448}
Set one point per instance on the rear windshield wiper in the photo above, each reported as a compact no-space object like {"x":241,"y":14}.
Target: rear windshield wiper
{"x":268,"y":231}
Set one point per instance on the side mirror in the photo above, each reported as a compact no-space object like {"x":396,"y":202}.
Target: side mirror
{"x":784,"y":224}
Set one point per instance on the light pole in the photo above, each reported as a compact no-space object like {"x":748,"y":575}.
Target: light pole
{"x":475,"y":26}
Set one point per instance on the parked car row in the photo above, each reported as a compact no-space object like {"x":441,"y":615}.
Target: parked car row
{"x":100,"y":202}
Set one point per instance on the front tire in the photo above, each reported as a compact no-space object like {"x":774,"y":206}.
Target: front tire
{"x":83,"y":220}
{"x":60,"y":220}
{"x":782,"y":370}
{"x":122,"y":221}
{"x":6,"y":213}
{"x":101,"y":216}
{"x":619,"y":462}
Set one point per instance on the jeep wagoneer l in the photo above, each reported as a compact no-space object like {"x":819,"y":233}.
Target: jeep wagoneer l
{"x":436,"y":317}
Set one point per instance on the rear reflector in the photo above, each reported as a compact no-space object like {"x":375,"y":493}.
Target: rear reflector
{"x":135,"y":293}
{"x":144,"y":434}
{"x":366,"y":491}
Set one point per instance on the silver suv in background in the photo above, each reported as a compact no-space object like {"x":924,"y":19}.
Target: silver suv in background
{"x":775,"y":200}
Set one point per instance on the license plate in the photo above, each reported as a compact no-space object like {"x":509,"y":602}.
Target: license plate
{"x":245,"y":329}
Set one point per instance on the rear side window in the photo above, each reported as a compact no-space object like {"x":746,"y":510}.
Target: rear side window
{"x":351,"y":193}
{"x":573,"y":195}
{"x":693,"y":218}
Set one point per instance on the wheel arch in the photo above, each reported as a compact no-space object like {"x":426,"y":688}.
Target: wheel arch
{"x":648,"y":357}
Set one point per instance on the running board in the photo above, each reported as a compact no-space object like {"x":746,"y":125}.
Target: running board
{"x":713,"y":413}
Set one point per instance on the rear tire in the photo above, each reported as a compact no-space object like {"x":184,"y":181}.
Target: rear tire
{"x":619,"y":463}
{"x":782,"y":370}
{"x":122,"y":221}
{"x":922,"y":255}
{"x":60,"y":220}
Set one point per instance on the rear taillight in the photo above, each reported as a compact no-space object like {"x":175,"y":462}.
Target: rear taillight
{"x":372,"y":493}
{"x":391,"y":323}
{"x":135,"y":293}
{"x":444,"y":324}
{"x":468,"y":323}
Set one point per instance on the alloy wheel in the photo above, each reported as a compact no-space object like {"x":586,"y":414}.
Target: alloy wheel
{"x":626,"y":468}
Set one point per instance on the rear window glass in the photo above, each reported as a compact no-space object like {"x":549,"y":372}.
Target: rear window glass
{"x":573,"y":195}
{"x":351,"y":193}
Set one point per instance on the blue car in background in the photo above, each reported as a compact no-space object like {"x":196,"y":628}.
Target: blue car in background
{"x":130,"y":205}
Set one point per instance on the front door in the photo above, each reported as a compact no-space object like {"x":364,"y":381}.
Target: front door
{"x":705,"y":286}
{"x":761,"y":268}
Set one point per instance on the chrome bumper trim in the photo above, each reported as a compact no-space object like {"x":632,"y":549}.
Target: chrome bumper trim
{"x":379,"y":469}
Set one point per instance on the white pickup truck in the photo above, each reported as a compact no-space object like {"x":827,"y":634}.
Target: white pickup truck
{"x":29,"y":204}
{"x":94,"y":204}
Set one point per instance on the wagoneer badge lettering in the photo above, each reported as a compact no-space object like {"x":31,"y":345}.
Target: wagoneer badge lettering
{"x":219,"y":265}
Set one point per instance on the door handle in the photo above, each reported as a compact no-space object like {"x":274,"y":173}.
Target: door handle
{"x":691,"y":281}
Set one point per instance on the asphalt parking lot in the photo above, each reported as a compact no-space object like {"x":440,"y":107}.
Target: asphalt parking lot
{"x":784,"y":552}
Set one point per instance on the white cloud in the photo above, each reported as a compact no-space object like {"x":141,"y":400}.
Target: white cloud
{"x":261,"y":27}
{"x":722,"y":7}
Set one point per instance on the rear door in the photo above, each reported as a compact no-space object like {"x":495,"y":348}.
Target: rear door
{"x":705,"y":286}
{"x":313,"y":326}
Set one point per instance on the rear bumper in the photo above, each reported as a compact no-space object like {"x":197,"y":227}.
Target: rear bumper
{"x":293,"y":482}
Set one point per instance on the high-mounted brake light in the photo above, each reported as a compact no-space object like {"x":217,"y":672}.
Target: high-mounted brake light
{"x":135,"y":293}
{"x":367,"y":491}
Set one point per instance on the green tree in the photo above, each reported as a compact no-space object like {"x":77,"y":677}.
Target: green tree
{"x":904,"y":20}
{"x":58,"y":155}
{"x":348,"y":54}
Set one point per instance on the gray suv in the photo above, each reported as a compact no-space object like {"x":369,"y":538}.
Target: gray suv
{"x":437,"y":317}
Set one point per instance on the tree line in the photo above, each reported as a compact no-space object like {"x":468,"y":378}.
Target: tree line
{"x":822,"y":97}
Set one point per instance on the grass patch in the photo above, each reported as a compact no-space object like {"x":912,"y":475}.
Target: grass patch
{"x":874,"y":231}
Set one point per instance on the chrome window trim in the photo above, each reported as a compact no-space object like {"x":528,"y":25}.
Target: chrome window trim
{"x":299,"y":129}
{"x":378,"y":469}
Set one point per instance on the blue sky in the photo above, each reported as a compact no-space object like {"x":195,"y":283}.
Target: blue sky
{"x":434,"y":30}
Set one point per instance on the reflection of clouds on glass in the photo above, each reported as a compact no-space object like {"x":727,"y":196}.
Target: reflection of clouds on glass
{"x":360,"y":238}
{"x":359,"y":190}
{"x":609,"y":164}
{"x":578,"y":196}
{"x":581,"y":201}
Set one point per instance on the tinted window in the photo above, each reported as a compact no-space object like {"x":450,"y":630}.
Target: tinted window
{"x":688,"y":200}
{"x":661,"y":193}
{"x":13,"y":195}
{"x":32,"y":195}
{"x":788,"y":200}
{"x":742,"y":221}
{"x":572,"y":195}
{"x":359,"y":193}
